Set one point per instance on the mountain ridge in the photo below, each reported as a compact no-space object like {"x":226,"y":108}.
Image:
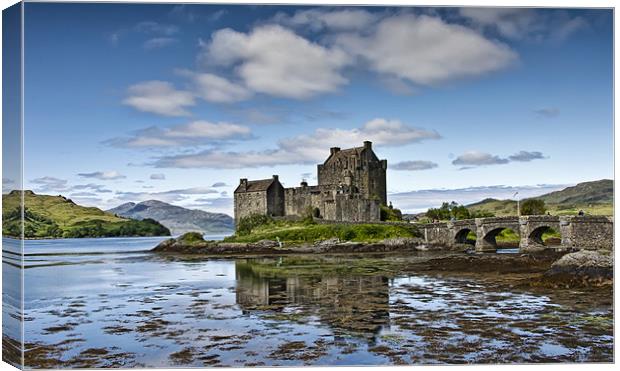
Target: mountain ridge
{"x":177,"y":218}
{"x":594,"y":197}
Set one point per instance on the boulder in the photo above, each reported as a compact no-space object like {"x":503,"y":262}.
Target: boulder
{"x":583,"y":268}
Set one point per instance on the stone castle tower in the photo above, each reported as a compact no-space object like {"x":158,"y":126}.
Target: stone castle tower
{"x":351,"y":187}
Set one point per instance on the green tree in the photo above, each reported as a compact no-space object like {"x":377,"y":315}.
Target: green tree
{"x":533,"y":207}
{"x":448,"y":211}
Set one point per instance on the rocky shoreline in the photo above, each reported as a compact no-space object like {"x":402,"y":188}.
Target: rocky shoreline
{"x":269,"y":247}
{"x":585,"y":268}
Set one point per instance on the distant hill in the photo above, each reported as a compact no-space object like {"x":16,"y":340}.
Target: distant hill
{"x":597,"y":192}
{"x":59,"y":217}
{"x":593,"y":197}
{"x":178,"y":219}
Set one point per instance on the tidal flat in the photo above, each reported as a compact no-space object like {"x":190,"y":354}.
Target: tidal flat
{"x":112,"y":303}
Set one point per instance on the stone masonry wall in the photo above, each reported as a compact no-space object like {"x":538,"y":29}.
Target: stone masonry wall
{"x":588,"y":232}
{"x":343,"y":208}
{"x":275,"y":200}
{"x":250,"y":203}
{"x":298,"y":200}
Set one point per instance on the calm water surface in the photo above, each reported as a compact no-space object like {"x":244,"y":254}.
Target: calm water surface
{"x":111,"y":303}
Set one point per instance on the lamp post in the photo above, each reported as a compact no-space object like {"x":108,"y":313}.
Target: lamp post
{"x":518,"y":208}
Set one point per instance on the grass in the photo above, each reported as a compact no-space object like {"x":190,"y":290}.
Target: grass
{"x":62,"y":210}
{"x":300,"y":232}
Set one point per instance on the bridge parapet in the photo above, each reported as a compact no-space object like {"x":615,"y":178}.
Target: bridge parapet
{"x":577,"y":232}
{"x":587,"y":232}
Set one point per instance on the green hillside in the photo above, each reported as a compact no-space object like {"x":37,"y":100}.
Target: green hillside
{"x":59,"y":217}
{"x":597,"y":192}
{"x":594,"y":198}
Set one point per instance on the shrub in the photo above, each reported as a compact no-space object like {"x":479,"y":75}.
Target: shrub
{"x":390,"y":214}
{"x":308,"y":216}
{"x":191,"y":238}
{"x":250,"y":222}
{"x":533,"y":207}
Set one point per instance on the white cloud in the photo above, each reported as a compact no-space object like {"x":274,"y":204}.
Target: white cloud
{"x":523,"y":23}
{"x":514,"y":23}
{"x":414,"y":165}
{"x":159,"y":97}
{"x":92,"y":187}
{"x":165,"y":196}
{"x":319,"y":19}
{"x":213,"y":88}
{"x":565,"y":29}
{"x":471,"y":159}
{"x":304,"y":149}
{"x":426,"y":50}
{"x":49,"y":183}
{"x":158,"y":176}
{"x":525,"y":156}
{"x":158,"y":42}
{"x":192,"y":134}
{"x":477,"y":158}
{"x":273,"y":60}
{"x":219,"y":185}
{"x":103,"y":175}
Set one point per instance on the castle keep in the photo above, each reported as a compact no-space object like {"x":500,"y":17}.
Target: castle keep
{"x":351,"y":187}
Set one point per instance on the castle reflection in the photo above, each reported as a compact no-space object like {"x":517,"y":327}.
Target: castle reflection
{"x":340,"y":297}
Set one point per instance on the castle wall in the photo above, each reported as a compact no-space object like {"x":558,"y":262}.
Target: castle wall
{"x":298,"y":200}
{"x":249,"y":203}
{"x":375,"y":183}
{"x":275,"y":200}
{"x":346,"y":209}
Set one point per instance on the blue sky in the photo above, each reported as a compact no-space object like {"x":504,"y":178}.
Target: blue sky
{"x":176,"y":102}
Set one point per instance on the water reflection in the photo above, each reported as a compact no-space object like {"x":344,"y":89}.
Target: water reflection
{"x":357,"y":304}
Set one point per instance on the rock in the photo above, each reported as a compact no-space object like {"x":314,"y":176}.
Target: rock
{"x":402,"y":241}
{"x":265,"y":244}
{"x":165,"y":245}
{"x":583,"y":268}
{"x":585,"y":259}
{"x":328,"y":242}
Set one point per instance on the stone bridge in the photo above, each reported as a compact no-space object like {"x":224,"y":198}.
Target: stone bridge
{"x":577,"y":232}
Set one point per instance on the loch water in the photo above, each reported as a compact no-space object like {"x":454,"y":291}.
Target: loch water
{"x":112,"y":303}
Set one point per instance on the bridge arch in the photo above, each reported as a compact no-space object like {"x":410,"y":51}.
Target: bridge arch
{"x":487,"y":241}
{"x":461,"y":236}
{"x":536,"y":236}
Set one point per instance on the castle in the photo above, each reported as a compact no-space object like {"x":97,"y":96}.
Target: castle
{"x":351,"y":187}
